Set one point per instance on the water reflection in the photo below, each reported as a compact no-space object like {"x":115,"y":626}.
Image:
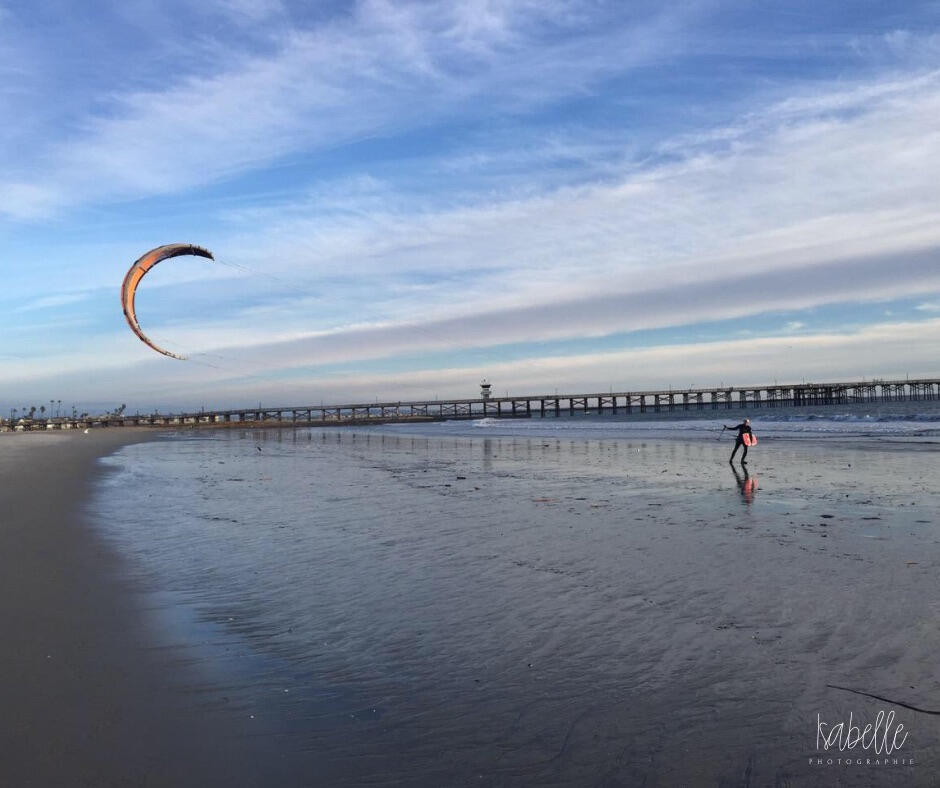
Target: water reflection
{"x":747,"y":484}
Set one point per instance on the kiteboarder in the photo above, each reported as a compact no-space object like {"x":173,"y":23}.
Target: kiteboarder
{"x":744,"y":428}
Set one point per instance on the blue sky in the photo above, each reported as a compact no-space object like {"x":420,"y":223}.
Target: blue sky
{"x":406,"y":197}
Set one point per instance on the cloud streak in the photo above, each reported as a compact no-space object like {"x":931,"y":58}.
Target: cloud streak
{"x":492,"y":178}
{"x":384,"y":68}
{"x":885,"y":350}
{"x":780,"y":222}
{"x":50,"y":302}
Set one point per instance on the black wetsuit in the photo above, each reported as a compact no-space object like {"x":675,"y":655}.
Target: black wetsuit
{"x":743,"y":429}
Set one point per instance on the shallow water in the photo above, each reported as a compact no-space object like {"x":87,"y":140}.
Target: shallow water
{"x":450,"y":608}
{"x":918,"y":420}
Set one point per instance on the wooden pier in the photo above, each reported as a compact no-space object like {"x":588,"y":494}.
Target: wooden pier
{"x":704,"y":400}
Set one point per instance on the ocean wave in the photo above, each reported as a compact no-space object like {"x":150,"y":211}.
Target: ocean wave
{"x":899,"y":420}
{"x":852,"y":417}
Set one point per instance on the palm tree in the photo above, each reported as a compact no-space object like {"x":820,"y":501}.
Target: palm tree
{"x":42,"y":411}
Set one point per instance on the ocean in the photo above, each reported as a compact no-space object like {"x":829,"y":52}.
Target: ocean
{"x":890,"y":420}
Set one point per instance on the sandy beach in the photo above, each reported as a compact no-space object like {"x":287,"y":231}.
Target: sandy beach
{"x":91,"y":696}
{"x":371,"y":373}
{"x":492,"y":612}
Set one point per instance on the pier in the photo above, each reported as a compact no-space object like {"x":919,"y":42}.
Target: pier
{"x":704,"y":400}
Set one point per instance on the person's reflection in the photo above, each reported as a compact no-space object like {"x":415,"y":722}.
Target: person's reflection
{"x":747,"y":484}
{"x":487,"y":454}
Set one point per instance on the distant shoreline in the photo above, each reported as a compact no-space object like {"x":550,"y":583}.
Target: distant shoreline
{"x":721,"y":399}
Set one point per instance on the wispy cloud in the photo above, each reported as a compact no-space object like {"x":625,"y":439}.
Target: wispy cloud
{"x":385,"y":67}
{"x":885,"y":349}
{"x":425,"y":177}
{"x":817,"y":205}
{"x":50,"y":302}
{"x":249,"y":11}
{"x":760,"y":228}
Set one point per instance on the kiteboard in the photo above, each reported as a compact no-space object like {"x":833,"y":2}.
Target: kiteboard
{"x":749,"y":439}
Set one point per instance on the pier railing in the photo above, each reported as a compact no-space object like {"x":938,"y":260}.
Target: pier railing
{"x":528,"y":406}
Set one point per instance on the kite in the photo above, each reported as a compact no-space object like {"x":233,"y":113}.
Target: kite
{"x":137,"y":272}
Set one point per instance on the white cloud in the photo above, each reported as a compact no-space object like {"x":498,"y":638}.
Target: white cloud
{"x":929,"y":306}
{"x":767,"y":227}
{"x":51,"y":302}
{"x":387,"y":67}
{"x":883,"y":350}
{"x":683,"y":297}
{"x":249,"y":11}
{"x":913,"y":46}
{"x":828,"y":195}
{"x":809,"y":205}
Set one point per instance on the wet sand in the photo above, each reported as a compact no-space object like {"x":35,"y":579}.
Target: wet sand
{"x":617,"y":613}
{"x":90,"y":695}
{"x":487,"y":612}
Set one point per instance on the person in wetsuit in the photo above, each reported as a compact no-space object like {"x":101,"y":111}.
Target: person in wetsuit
{"x":744,"y":428}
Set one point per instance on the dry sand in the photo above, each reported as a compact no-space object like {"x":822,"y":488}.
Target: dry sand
{"x":90,"y":697}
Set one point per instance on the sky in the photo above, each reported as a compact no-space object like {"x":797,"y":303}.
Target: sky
{"x":406,"y":197}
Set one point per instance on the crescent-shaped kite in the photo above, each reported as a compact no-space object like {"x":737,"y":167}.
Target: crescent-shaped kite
{"x":137,"y":272}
